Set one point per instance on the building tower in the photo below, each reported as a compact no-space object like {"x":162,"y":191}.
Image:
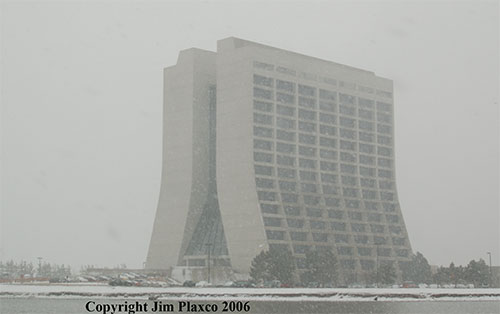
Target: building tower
{"x":265,"y":147}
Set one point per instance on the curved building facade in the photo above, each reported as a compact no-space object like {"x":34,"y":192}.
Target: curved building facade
{"x":291,"y":151}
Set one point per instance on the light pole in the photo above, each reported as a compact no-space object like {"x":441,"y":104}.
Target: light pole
{"x":208,"y":245}
{"x":491,"y":275}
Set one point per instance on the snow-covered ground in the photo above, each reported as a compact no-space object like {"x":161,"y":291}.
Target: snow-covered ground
{"x":263,"y":294}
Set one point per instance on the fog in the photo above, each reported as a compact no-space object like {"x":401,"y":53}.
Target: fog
{"x":81,"y":100}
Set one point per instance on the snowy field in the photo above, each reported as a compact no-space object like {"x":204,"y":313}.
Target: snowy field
{"x":263,"y":294}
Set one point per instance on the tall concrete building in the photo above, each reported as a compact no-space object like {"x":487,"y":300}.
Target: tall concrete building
{"x":265,"y":147}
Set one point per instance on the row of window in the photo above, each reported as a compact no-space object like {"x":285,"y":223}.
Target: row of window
{"x":307,"y":187}
{"x":267,"y":81}
{"x":295,"y":210}
{"x":286,"y":96}
{"x":309,"y":103}
{"x":338,"y":238}
{"x":291,"y":136}
{"x":270,"y":221}
{"x":306,"y":175}
{"x":330,"y":119}
{"x":286,"y":186}
{"x":325,"y":149}
{"x":304,"y":162}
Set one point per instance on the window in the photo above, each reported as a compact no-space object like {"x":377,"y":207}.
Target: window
{"x":327,"y":106}
{"x":307,"y":126}
{"x":379,"y":240}
{"x":352,"y":204}
{"x":311,"y":200}
{"x":384,"y":151}
{"x":366,"y":160}
{"x":344,"y":250}
{"x":349,"y":134}
{"x":285,"y":148}
{"x":262,"y":106}
{"x":298,"y":236}
{"x":377,"y":228}
{"x":387,"y":185}
{"x":262,"y":157}
{"x":371,"y":206}
{"x":262,"y":119}
{"x":327,"y":130}
{"x":330,"y":178}
{"x":341,"y":238}
{"x":347,"y":99}
{"x":264,"y":66}
{"x":384,"y":117}
{"x":307,"y":139}
{"x":286,"y":173}
{"x":285,"y":98}
{"x":263,"y":170}
{"x":368,"y":183}
{"x":350,"y":111}
{"x":285,"y":123}
{"x":365,"y":125}
{"x":307,"y":102}
{"x":366,"y":172}
{"x":366,"y":148}
{"x":392,"y":218}
{"x":307,"y":175}
{"x":365,"y":114}
{"x":286,"y":111}
{"x":327,"y":154}
{"x":330,"y":189}
{"x":289,"y":198}
{"x":286,"y":71}
{"x":366,"y":137}
{"x":384,"y":173}
{"x":361,"y":239}
{"x":269,"y":208}
{"x":285,"y":160}
{"x":349,"y":157}
{"x":275,"y":235}
{"x":357,"y":227}
{"x":272,"y":222}
{"x":350,"y":192}
{"x":332,"y":202}
{"x":345,"y":168}
{"x":369,"y":194}
{"x":335,"y":214}
{"x":383,"y":251}
{"x":287,"y":186}
{"x":355,"y":215}
{"x":285,"y":135}
{"x":300,"y":249}
{"x":327,"y":142}
{"x":307,"y":151}
{"x":398,"y":241}
{"x":348,"y":145}
{"x":327,"y":95}
{"x":309,"y":188}
{"x":382,"y":106}
{"x":328,"y":166}
{"x":389,"y":207}
{"x":327,"y":118}
{"x":383,"y":162}
{"x":374,"y":217}
{"x":295,"y":223}
{"x":307,"y":163}
{"x":384,"y":140}
{"x":338,"y":226}
{"x":307,"y":115}
{"x":262,"y":132}
{"x":395,"y":229}
{"x":292,"y":210}
{"x":307,"y":90}
{"x":317,"y":224}
{"x":367,"y":264}
{"x":262,"y":93}
{"x":319,"y":237}
{"x":347,"y":180}
{"x":314,"y":212}
{"x":366,"y":103}
{"x":385,"y":129}
{"x":264,"y":183}
{"x":286,"y":86}
{"x":262,"y":80}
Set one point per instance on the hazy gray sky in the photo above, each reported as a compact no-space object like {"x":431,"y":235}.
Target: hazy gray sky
{"x":81,"y":100}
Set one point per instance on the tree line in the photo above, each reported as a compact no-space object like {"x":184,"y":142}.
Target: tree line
{"x":321,"y":268}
